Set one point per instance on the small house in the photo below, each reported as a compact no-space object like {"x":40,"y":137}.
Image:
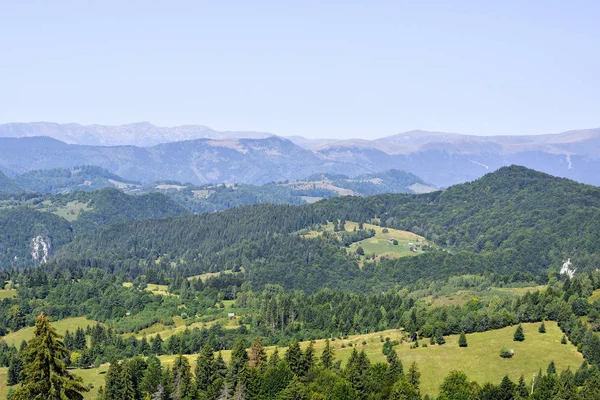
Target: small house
{"x":231,"y":315}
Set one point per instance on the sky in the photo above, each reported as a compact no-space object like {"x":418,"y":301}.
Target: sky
{"x":336,"y":69}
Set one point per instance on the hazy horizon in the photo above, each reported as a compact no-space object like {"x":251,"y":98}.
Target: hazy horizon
{"x":357,"y":70}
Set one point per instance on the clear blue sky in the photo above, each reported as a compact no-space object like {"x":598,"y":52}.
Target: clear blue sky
{"x":314,"y":68}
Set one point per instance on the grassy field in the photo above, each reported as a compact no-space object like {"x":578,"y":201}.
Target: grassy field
{"x":462,"y":297}
{"x":208,"y":275}
{"x":7,"y":293}
{"x":380,"y":244}
{"x":71,"y":211}
{"x":61,"y":326}
{"x":480,"y":361}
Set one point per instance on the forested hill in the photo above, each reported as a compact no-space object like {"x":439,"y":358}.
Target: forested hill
{"x":57,"y":219}
{"x":516,"y":222}
{"x":7,"y":185}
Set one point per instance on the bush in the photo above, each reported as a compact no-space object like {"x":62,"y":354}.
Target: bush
{"x":462,"y":340}
{"x":563,"y":340}
{"x":542,"y":328}
{"x":505,"y":353}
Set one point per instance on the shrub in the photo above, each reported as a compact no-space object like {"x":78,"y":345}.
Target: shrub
{"x":505,"y":353}
{"x":563,"y":340}
{"x":462,"y":340}
{"x":542,"y":328}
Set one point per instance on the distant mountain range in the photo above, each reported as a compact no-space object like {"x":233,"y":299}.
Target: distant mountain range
{"x":200,"y":155}
{"x":204,"y":198}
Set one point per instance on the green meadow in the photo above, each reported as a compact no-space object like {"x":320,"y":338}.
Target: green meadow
{"x":481,"y":360}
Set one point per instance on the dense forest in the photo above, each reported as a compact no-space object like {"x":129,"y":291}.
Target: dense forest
{"x":291,"y":280}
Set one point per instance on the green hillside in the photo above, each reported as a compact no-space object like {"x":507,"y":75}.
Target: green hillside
{"x":7,"y":185}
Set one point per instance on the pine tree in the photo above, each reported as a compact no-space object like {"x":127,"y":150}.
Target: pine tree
{"x":157,"y":344}
{"x":414,"y":376}
{"x":44,"y":370}
{"x":15,"y":367}
{"x":274,"y":359}
{"x":563,"y":340}
{"x":521,"y":389}
{"x":293,"y":356}
{"x":257,"y":356}
{"x":542,"y":328}
{"x":439,"y":336}
{"x":396,"y":368}
{"x":205,"y":369}
{"x":507,"y":388}
{"x":239,"y":360}
{"x":114,"y":382}
{"x":551,"y":370}
{"x":308,"y":359}
{"x":127,"y":384}
{"x":519,"y":336}
{"x":462,"y":340}
{"x":327,"y":355}
{"x":79,"y":342}
{"x":183,"y":387}
{"x":152,"y":377}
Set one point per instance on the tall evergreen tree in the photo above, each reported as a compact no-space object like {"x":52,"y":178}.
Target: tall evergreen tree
{"x":293,"y":356}
{"x":46,"y":376}
{"x":205,"y":369}
{"x":462,"y":340}
{"x":327,"y":355}
{"x":414,"y":376}
{"x":79,"y":340}
{"x":152,"y":377}
{"x":114,"y":382}
{"x":183,"y":385}
{"x":257,"y":356}
{"x":15,"y":367}
{"x":308,"y":359}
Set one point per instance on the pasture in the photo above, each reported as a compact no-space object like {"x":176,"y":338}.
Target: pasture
{"x":481,"y":360}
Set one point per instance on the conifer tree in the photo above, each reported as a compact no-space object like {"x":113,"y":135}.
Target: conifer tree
{"x":205,"y":369}
{"x":462,"y":340}
{"x":551,"y":370}
{"x":521,"y":389}
{"x":157,"y":344}
{"x":293,"y":356}
{"x":15,"y":367}
{"x":327,"y":355}
{"x":45,"y":374}
{"x":152,"y":377}
{"x":114,"y":381}
{"x":79,"y":341}
{"x":519,"y":335}
{"x":183,"y":387}
{"x":542,"y":328}
{"x":396,"y":368}
{"x":414,"y":376}
{"x":274,"y":359}
{"x":257,"y":356}
{"x":308,"y":359}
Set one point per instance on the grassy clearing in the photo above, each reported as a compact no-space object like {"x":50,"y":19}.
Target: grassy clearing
{"x":381,"y":244}
{"x":462,"y":297}
{"x":71,"y":211}
{"x":481,"y":361}
{"x":7,"y":293}
{"x":61,"y":326}
{"x":209,"y":275}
